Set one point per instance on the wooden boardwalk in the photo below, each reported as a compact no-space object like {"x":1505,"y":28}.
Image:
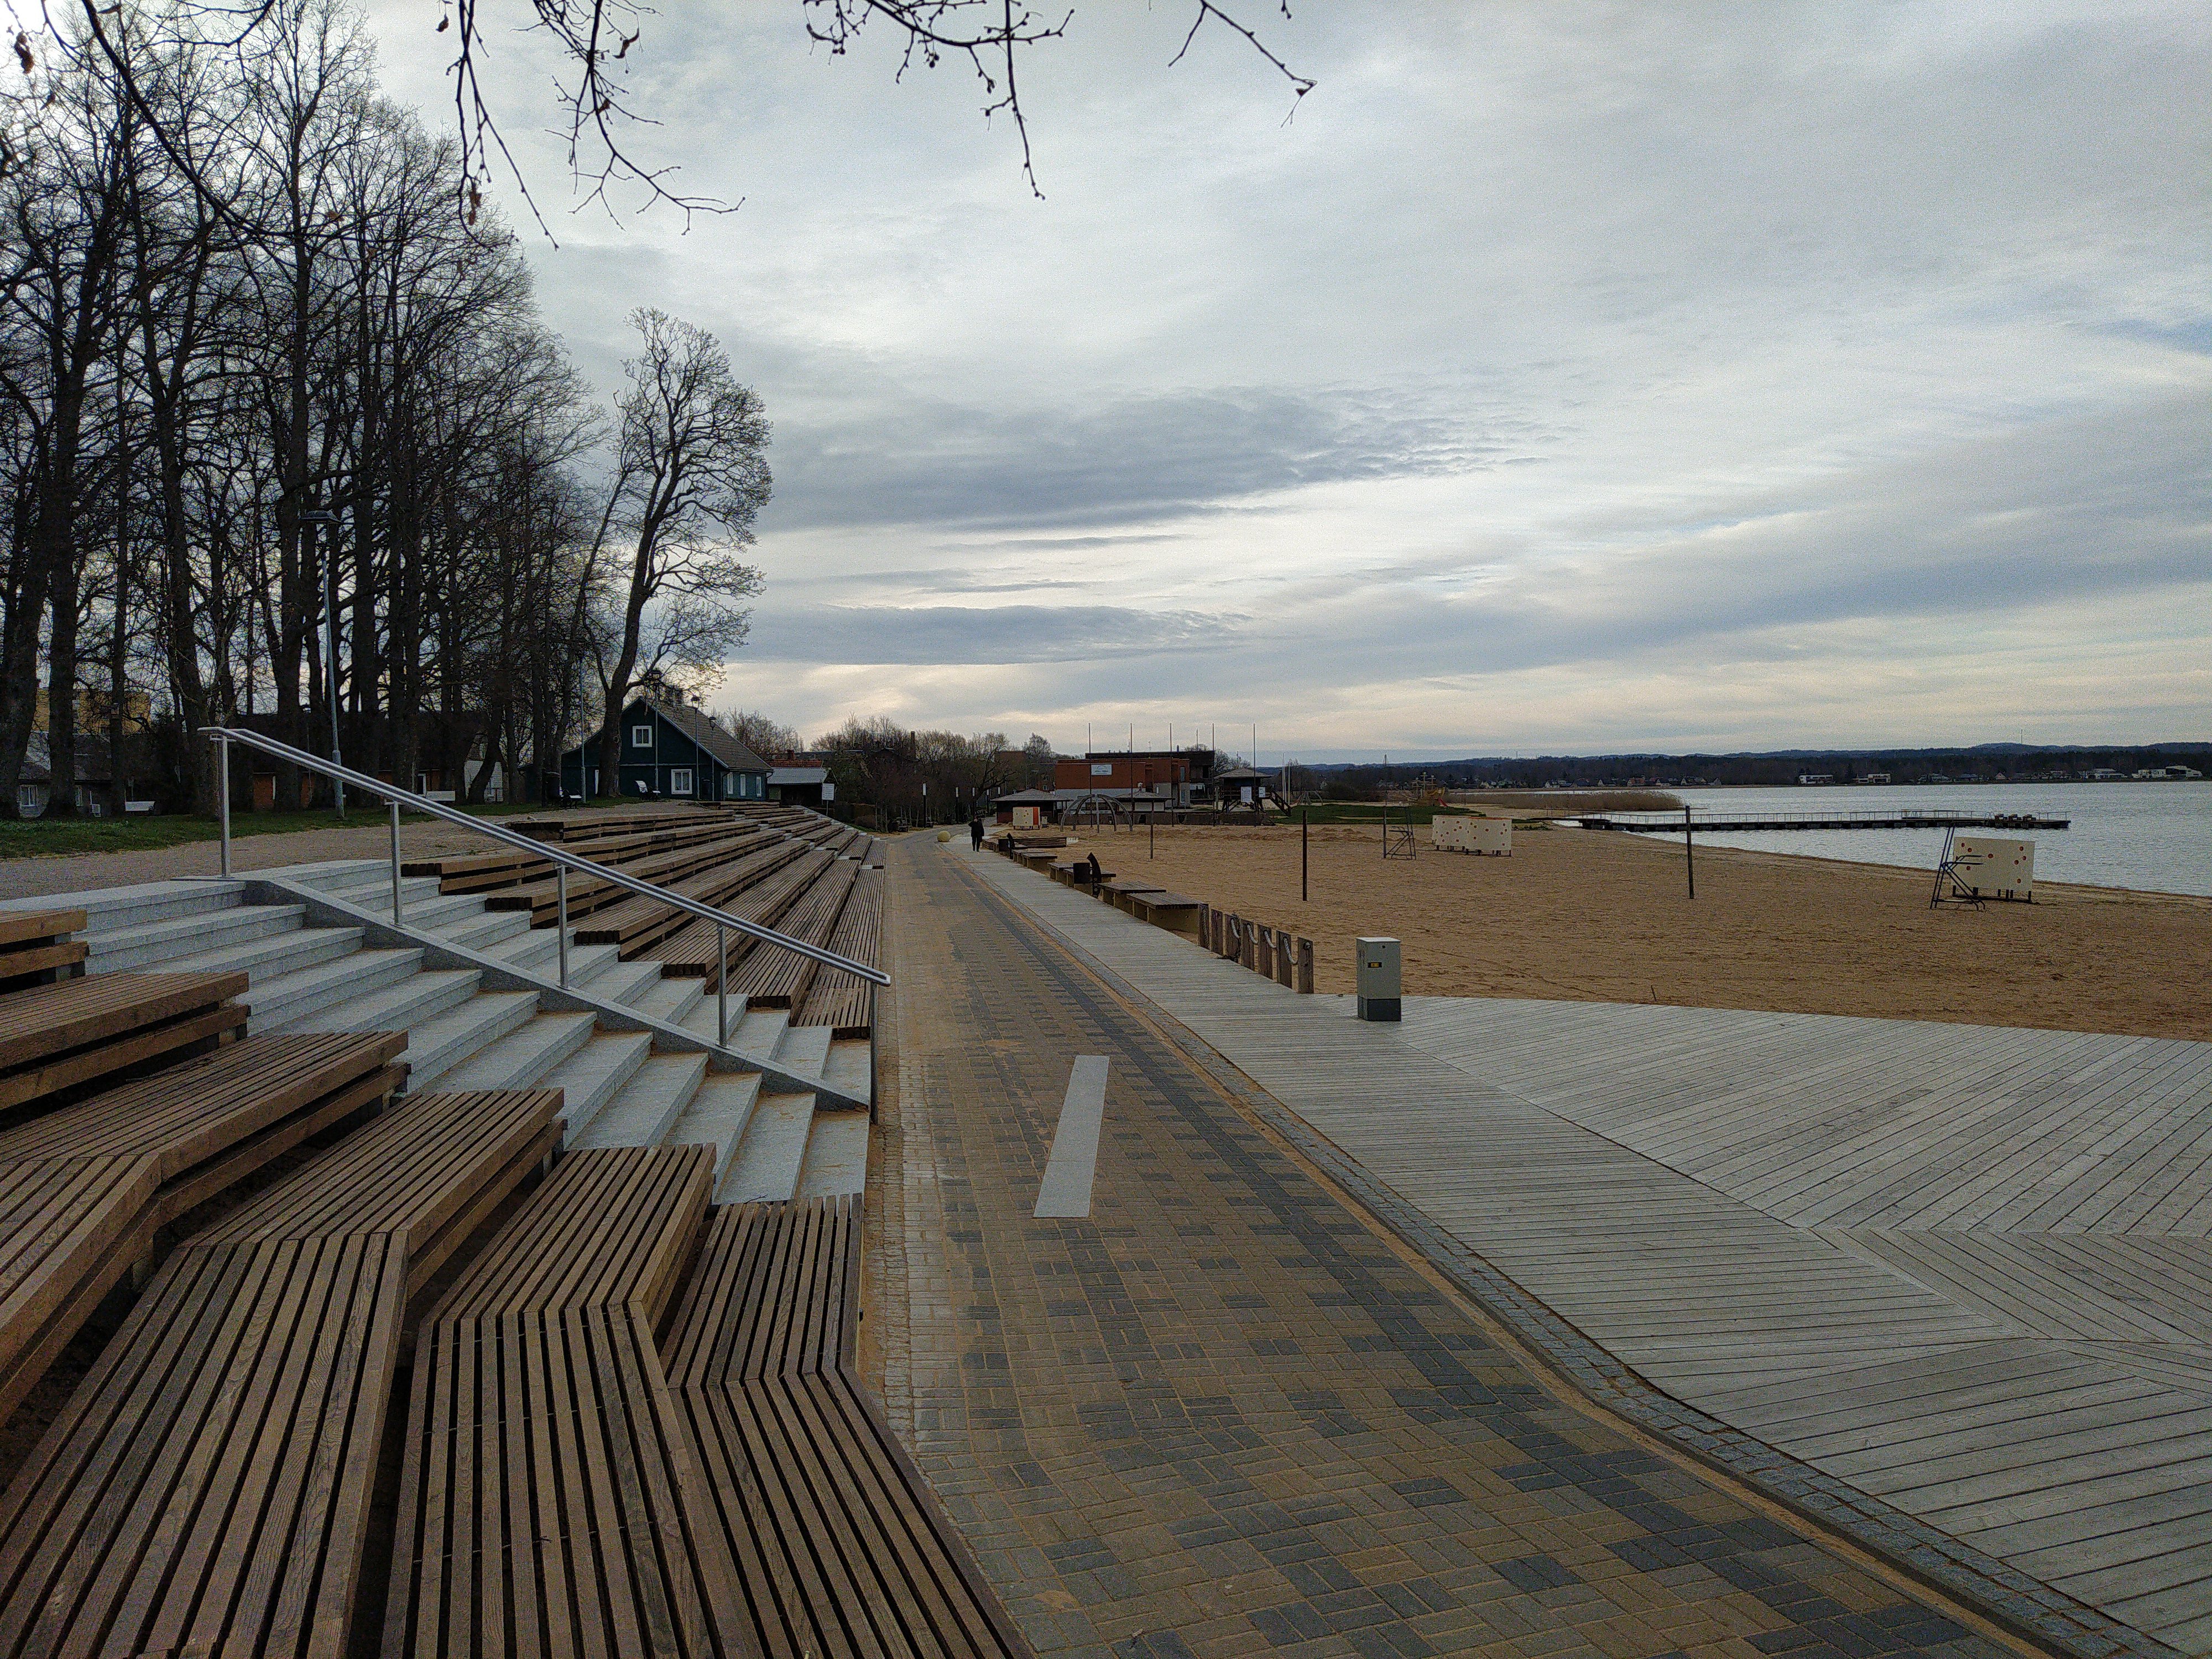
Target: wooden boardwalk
{"x":1966,"y":1269}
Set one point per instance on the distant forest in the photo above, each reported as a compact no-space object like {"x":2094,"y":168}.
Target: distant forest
{"x":1988,"y":763}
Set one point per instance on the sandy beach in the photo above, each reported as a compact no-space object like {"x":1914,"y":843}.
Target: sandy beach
{"x":1606,"y":918}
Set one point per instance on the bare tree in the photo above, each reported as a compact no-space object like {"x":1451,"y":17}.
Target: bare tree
{"x":764,"y":734}
{"x":689,"y":479}
{"x":597,"y":37}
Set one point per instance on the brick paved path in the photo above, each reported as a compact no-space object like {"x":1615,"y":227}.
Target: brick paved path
{"x":1220,"y":1416}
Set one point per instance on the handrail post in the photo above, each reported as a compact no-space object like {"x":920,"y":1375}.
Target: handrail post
{"x":721,"y":986}
{"x":561,"y":917}
{"x":222,"y":797}
{"x":395,"y":861}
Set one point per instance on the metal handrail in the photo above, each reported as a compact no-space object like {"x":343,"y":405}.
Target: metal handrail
{"x":562,"y":860}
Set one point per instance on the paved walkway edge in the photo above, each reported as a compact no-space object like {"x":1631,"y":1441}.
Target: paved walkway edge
{"x":2024,"y":1606}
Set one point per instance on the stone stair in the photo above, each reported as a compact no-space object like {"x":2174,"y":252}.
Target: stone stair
{"x":769,"y":1143}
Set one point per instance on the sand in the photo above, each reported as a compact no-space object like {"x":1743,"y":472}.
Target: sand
{"x":1590,"y":917}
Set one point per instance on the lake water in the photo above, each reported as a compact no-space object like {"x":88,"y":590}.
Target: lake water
{"x":2154,"y":836}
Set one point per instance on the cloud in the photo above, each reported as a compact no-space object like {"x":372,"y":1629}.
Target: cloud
{"x":1132,"y":459}
{"x":1003,"y":633}
{"x":1606,"y":377}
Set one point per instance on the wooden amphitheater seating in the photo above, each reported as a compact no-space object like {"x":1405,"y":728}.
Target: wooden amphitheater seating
{"x":844,"y":1549}
{"x":781,"y":979}
{"x":691,"y":952}
{"x":589,"y":893}
{"x":58,"y":1036}
{"x":601,"y":826}
{"x":475,"y":873}
{"x":208,"y":1487}
{"x":35,"y":946}
{"x":83,"y":1189}
{"x":548,"y":1503}
{"x":842,"y":1001}
{"x":637,"y":921}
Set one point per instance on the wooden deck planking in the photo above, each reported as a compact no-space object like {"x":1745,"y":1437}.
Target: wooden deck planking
{"x":1965,"y":1268}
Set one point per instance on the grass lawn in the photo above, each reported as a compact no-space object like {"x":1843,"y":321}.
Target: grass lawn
{"x":33,"y":838}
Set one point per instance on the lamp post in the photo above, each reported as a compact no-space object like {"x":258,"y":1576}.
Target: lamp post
{"x":314,"y":519}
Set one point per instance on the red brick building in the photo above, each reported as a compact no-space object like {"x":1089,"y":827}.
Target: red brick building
{"x":1184,"y":776}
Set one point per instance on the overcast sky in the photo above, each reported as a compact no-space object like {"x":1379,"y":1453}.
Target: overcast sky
{"x":1562,"y":378}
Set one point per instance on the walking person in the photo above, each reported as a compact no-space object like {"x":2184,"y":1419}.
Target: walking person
{"x":975,"y":832}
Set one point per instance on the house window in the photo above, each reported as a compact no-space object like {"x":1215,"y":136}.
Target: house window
{"x":641,"y":737}
{"x":679,"y":781}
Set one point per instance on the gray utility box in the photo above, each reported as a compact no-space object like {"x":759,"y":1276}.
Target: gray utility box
{"x":1378,"y":979}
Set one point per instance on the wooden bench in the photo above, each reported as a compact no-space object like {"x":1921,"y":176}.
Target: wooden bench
{"x":774,"y":978}
{"x":58,"y":1037}
{"x":35,"y":946}
{"x":1119,"y":891}
{"x":548,"y":1503}
{"x":208,"y":1488}
{"x":587,"y":894}
{"x":691,"y":952}
{"x":477,"y":872}
{"x":844,"y":1549}
{"x":1173,"y":911}
{"x":599,"y":826}
{"x":82,"y":1188}
{"x":844,"y":1002}
{"x":637,"y":922}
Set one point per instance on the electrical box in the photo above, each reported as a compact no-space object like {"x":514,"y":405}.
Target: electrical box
{"x":1378,"y":979}
{"x":1995,"y":868}
{"x":1492,"y":837}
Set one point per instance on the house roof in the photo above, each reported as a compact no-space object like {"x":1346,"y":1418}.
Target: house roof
{"x":1027,"y":798}
{"x":798,"y":775}
{"x":695,"y":724}
{"x":92,"y":759}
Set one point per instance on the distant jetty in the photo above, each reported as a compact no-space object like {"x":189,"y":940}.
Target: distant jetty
{"x":1930,"y":818}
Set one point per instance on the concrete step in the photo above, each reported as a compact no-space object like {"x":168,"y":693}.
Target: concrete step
{"x":803,"y":1048}
{"x":360,"y":881}
{"x":284,"y":1001}
{"x":619,"y":981}
{"x":456,"y":1035}
{"x":399,"y":1007}
{"x":756,"y":1031}
{"x":142,"y":945}
{"x":429,"y":911}
{"x":851,"y":1067}
{"x":769,"y":1156}
{"x":535,"y":951}
{"x":836,"y":1155}
{"x":481,"y":931}
{"x":649,"y":1105}
{"x":669,"y":1001}
{"x":111,"y":909}
{"x":271,"y":956}
{"x":596,"y":1073}
{"x":761,"y":1028}
{"x":717,"y":1116}
{"x":520,"y":1059}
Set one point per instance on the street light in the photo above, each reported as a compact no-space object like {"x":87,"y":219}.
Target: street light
{"x":313,"y":518}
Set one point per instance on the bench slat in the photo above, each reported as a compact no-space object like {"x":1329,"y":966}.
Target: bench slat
{"x":207,"y":1485}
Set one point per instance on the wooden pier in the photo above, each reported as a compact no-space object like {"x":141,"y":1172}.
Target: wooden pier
{"x":1933,"y":818}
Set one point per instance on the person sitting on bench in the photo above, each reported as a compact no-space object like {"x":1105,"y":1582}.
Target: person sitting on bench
{"x":1096,"y":875}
